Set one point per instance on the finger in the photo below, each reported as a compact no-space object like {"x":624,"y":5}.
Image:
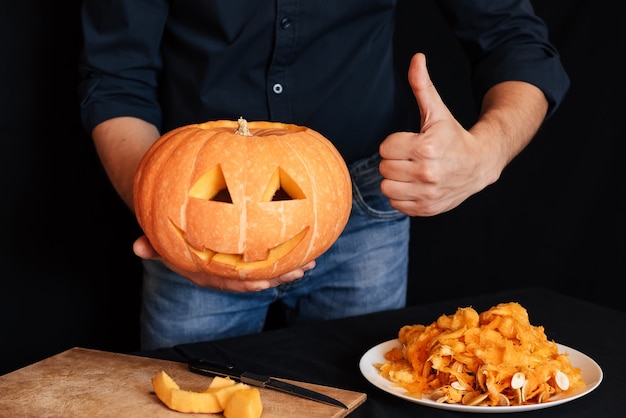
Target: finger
{"x":249,"y":285}
{"x":398,"y":146}
{"x":398,"y":190}
{"x":398,"y":170}
{"x":293,"y":275}
{"x":309,"y":266}
{"x":234,"y":285}
{"x":229,"y":285}
{"x":429,"y":101}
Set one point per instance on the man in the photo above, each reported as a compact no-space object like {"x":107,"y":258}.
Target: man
{"x":151,"y":66}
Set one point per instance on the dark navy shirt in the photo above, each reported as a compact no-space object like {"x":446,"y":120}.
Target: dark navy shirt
{"x":327,"y":65}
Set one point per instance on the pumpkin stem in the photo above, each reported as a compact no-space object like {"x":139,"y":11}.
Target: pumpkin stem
{"x":243,"y":127}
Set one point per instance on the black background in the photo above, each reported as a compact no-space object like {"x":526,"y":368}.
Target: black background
{"x":68,"y":276}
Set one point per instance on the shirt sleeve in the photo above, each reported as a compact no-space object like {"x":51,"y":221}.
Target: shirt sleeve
{"x":120,"y":62}
{"x":505,"y":40}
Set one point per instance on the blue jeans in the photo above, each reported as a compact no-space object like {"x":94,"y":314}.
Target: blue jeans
{"x":364,"y":271}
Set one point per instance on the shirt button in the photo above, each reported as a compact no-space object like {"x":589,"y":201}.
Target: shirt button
{"x":285,"y":23}
{"x":277,"y":88}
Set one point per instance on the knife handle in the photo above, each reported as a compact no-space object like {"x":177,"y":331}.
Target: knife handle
{"x":211,"y":368}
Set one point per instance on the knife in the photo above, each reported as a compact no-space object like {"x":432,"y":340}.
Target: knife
{"x":212,"y":368}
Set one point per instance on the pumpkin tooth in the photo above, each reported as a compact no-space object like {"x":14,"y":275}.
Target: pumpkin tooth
{"x":274,"y":254}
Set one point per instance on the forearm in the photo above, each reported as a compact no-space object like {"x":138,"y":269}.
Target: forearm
{"x":121,"y":143}
{"x":512,"y":113}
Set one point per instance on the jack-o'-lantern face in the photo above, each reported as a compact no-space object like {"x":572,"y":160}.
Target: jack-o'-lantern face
{"x":242,"y":206}
{"x":278,"y":210}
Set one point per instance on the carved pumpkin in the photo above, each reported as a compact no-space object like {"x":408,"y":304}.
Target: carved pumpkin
{"x":242,"y":200}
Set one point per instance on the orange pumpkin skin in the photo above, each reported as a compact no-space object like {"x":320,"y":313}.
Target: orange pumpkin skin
{"x":206,"y":197}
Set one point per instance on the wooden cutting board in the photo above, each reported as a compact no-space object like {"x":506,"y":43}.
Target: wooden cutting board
{"x":89,"y":383}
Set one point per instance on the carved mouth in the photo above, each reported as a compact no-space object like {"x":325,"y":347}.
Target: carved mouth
{"x":237,"y":261}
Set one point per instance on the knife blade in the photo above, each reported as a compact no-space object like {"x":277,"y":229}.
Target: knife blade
{"x":212,"y":368}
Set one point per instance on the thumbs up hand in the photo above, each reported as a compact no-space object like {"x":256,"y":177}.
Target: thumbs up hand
{"x":436,"y":169}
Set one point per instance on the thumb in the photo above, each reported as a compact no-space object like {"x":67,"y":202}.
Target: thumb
{"x":429,"y":101}
{"x":143,"y":249}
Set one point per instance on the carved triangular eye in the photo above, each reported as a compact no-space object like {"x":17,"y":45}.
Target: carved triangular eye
{"x":282,"y":187}
{"x":211,"y":186}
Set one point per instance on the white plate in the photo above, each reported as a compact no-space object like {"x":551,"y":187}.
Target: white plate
{"x":592,"y":376}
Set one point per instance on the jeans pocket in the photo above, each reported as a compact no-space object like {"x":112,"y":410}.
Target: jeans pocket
{"x":366,"y":194}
